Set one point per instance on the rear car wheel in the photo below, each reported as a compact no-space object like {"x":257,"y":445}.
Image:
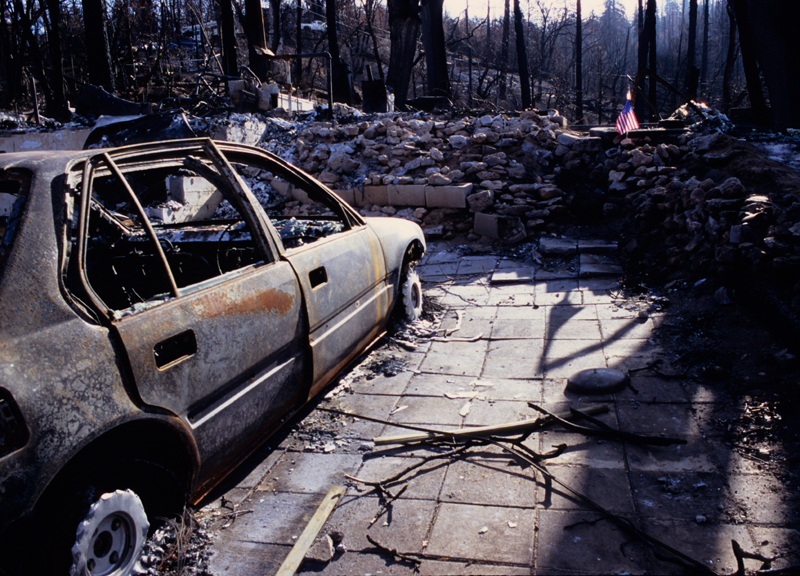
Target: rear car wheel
{"x":110,"y":537}
{"x":412,"y":295}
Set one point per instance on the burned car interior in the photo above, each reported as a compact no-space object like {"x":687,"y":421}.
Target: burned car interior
{"x":156,"y":230}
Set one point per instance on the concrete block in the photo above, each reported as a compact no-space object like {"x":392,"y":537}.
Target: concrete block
{"x":348,"y":196}
{"x":282,"y":187}
{"x":375,"y":195}
{"x":299,"y":194}
{"x":447,"y":196}
{"x":200,"y":198}
{"x":409,"y":195}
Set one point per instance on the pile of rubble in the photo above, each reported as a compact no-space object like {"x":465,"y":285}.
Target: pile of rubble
{"x":701,"y":204}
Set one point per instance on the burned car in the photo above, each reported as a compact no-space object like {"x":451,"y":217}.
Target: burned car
{"x":164,"y":308}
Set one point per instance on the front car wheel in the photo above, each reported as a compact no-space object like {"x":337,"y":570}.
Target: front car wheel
{"x":412,"y":296}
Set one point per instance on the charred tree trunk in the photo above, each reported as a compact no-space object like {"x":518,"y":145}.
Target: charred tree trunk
{"x":651,"y":33}
{"x":751,"y":73}
{"x":256,"y":37}
{"x":578,"y":64}
{"x":704,"y":65}
{"x":435,"y":48}
{"x":641,"y":62}
{"x":692,"y":72}
{"x":229,"y":59}
{"x":501,"y":88}
{"x":730,"y":60}
{"x":370,"y":9}
{"x":773,"y":27}
{"x":522,"y":57}
{"x":57,"y":107}
{"x":469,"y":54}
{"x":98,"y":51}
{"x":298,"y":65}
{"x":404,"y":24}
{"x":342,"y":90}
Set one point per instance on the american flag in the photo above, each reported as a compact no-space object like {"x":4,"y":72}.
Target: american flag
{"x":627,"y":119}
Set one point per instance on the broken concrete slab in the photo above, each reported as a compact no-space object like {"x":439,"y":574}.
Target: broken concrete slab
{"x":512,"y":276}
{"x":557,"y":246}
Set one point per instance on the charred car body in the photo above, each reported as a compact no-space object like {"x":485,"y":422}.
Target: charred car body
{"x":162,"y":308}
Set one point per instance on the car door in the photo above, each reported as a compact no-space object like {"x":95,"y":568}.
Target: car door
{"x":343,"y":278}
{"x":338,"y":260}
{"x":212,"y":323}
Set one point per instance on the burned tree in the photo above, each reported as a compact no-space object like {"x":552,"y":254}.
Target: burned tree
{"x":435,"y":48}
{"x":98,"y":51}
{"x":404,"y":24}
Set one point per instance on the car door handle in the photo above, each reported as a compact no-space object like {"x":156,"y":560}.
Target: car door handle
{"x":317,"y":276}
{"x":174,"y":348}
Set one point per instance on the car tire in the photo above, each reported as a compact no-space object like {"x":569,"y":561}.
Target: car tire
{"x":110,"y":538}
{"x":412,"y":295}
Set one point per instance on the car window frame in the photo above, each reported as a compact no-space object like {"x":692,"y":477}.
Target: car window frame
{"x":129,"y":160}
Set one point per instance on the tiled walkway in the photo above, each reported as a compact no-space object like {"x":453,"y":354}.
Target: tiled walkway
{"x":520,"y":334}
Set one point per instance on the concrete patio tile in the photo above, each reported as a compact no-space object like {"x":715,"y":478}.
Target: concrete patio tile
{"x":572,"y":542}
{"x":439,"y":384}
{"x":477,"y":265}
{"x":783,"y":544}
{"x":618,"y":328}
{"x":598,"y":285}
{"x":630,"y":350}
{"x":618,"y":311}
{"x":369,"y":562}
{"x":506,"y":367}
{"x":455,"y":364}
{"x":574,"y":329}
{"x":441,"y":568}
{"x":563,"y":272}
{"x":520,"y":312}
{"x":594,"y":297}
{"x":517,"y":328}
{"x":556,"y":286}
{"x":490,"y":413}
{"x":459,"y":348}
{"x":458,"y":533}
{"x":560,"y":315}
{"x":243,"y":558}
{"x":651,"y":389}
{"x":403,"y":526}
{"x":681,"y":496}
{"x":763,"y":498}
{"x":511,"y":264}
{"x":309,"y":472}
{"x":375,"y":406}
{"x":567,"y":367}
{"x":509,"y":389}
{"x":382,"y":383}
{"x":462,"y":296}
{"x":569,"y":298}
{"x":583,"y":451}
{"x":490,"y":482}
{"x":429,"y":411}
{"x":275,"y":518}
{"x":512,"y":275}
{"x":608,"y":487}
{"x":424,"y":481}
{"x":437,"y":257}
{"x":709,"y":544}
{"x":516,"y":296}
{"x":518,"y":349}
{"x":437,"y":272}
{"x":257,"y":466}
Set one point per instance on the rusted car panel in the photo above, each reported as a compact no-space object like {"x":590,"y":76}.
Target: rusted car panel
{"x":172,"y":302}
